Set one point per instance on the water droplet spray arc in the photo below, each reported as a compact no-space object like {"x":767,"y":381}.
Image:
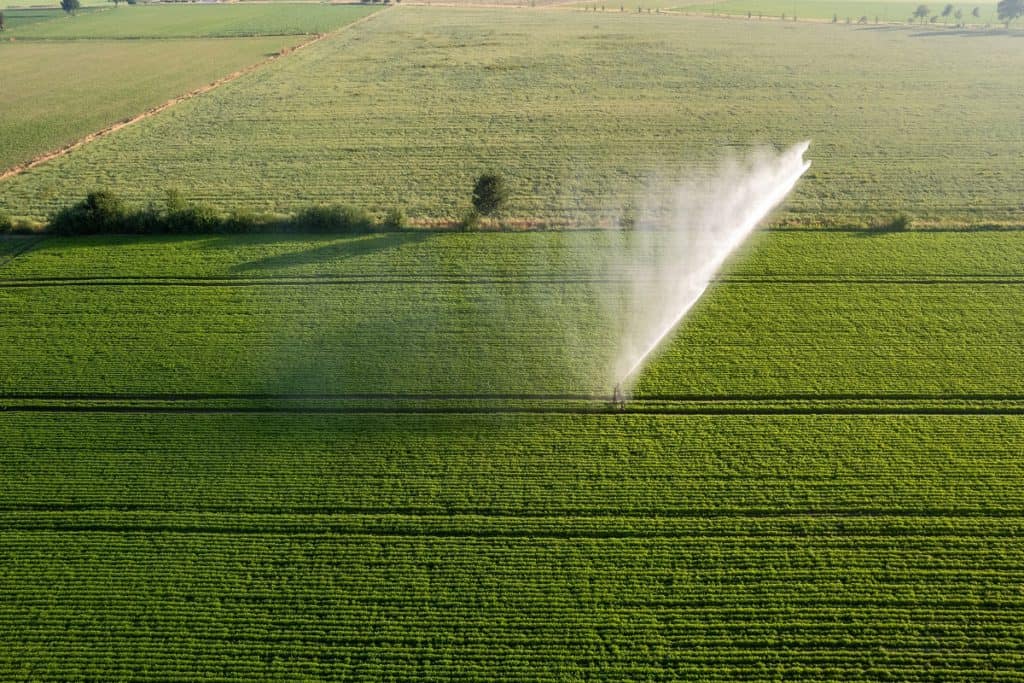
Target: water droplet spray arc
{"x":710,"y":219}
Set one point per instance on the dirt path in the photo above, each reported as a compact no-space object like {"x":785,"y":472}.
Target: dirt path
{"x":284,"y":52}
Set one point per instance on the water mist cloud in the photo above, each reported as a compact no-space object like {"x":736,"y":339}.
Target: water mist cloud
{"x":677,"y":249}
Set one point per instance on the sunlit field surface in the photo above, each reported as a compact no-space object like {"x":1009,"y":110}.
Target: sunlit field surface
{"x":399,"y":455}
{"x":581,"y":111}
{"x":394,"y":455}
{"x":58,"y":88}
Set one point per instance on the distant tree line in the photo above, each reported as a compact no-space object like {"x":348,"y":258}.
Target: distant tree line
{"x":1006,"y":10}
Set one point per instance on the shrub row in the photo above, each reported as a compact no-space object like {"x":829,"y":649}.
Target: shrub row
{"x":103,"y":212}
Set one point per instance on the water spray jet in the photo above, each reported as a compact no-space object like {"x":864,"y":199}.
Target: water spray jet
{"x":710,"y":220}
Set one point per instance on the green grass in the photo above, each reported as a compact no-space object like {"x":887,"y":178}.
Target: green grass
{"x":885,"y":12}
{"x":192,"y":21}
{"x":578,"y":111}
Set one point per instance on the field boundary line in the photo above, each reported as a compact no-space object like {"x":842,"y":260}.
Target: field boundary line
{"x":355,"y":280}
{"x":596,"y":408}
{"x":640,"y":402}
{"x":30,"y":242}
{"x":18,"y":169}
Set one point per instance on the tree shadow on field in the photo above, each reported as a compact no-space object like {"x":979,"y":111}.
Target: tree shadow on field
{"x":327,"y":249}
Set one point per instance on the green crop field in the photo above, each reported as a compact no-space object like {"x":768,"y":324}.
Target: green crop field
{"x":398,"y":456}
{"x":17,"y":19}
{"x":366,"y":458}
{"x":191,"y":21}
{"x":358,"y":549}
{"x":789,"y":332}
{"x":579,"y":110}
{"x":48,"y":105}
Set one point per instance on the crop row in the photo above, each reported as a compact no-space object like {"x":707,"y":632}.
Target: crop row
{"x":583,"y":255}
{"x":676,"y":469}
{"x":578,"y":110}
{"x":224,"y":606}
{"x":547,"y":338}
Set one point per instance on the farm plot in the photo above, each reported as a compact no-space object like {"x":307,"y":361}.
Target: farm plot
{"x":528,"y":316}
{"x":874,"y":339}
{"x":579,"y":110}
{"x":896,"y":256}
{"x":46,"y":105}
{"x":157,"y":546}
{"x":194,"y":21}
{"x":17,"y":19}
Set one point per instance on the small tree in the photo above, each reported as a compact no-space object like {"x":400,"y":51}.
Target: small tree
{"x":976,"y":13}
{"x":100,"y":212}
{"x":959,"y":16}
{"x":1008,"y":10}
{"x":1,"y":21}
{"x":922,"y":12}
{"x":946,"y":12}
{"x":70,"y":6}
{"x":489,"y":194}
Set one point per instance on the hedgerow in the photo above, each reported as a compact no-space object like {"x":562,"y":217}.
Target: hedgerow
{"x":103,"y":212}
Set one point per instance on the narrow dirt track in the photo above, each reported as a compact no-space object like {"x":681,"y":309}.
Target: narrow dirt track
{"x":67,"y":149}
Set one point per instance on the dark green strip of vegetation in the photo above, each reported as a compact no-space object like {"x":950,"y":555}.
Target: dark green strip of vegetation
{"x":103,"y":212}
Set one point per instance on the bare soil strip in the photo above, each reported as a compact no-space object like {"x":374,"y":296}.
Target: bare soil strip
{"x":67,"y":149}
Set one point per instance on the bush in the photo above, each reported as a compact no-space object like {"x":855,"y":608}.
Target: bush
{"x":395,"y":219}
{"x":899,"y":223}
{"x":242,"y":221}
{"x":194,"y":218}
{"x":338,"y":218}
{"x":489,"y":194}
{"x":627,"y":221}
{"x":471,"y":221}
{"x":101,"y":211}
